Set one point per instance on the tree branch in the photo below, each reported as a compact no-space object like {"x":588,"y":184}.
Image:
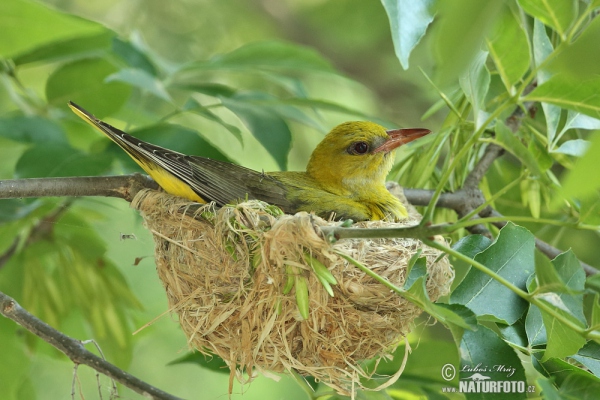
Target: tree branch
{"x":126,"y":186}
{"x":122,"y":186}
{"x":75,"y":350}
{"x":456,"y":200}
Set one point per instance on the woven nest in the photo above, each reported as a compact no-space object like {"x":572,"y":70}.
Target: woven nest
{"x":224,"y":271}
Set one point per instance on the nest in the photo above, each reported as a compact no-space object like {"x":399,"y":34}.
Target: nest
{"x":224,"y":271}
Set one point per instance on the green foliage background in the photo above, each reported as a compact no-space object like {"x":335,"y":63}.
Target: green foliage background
{"x":259,"y":83}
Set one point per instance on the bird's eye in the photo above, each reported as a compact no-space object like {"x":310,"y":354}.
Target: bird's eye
{"x":358,"y":148}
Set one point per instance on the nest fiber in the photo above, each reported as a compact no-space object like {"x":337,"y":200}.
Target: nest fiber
{"x":224,"y":271}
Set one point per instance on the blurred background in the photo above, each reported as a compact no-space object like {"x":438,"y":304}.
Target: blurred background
{"x":256,"y":82}
{"x":342,"y":55}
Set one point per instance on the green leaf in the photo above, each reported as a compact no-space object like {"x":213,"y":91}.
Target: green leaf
{"x":27,"y":25}
{"x":512,"y":257}
{"x":210,"y":89}
{"x":572,"y":275}
{"x":50,"y":160}
{"x":266,"y":126}
{"x":195,"y":107}
{"x":133,"y":56}
{"x":580,"y":387}
{"x":515,"y":334}
{"x":14,"y":209}
{"x":213,"y":363}
{"x":576,"y":147}
{"x":509,"y":48}
{"x":560,"y":370}
{"x":577,"y":60}
{"x":542,"y":48}
{"x":83,"y":81}
{"x":483,"y":352}
{"x":472,"y":245}
{"x":179,"y":138}
{"x":456,"y":42}
{"x":67,"y":49}
{"x":32,"y":130}
{"x":329,"y":106}
{"x":475,"y":83}
{"x":270,"y":55}
{"x":280,"y":107}
{"x":589,"y":356}
{"x":595,"y":317}
{"x":419,"y":269}
{"x":577,"y":94}
{"x":549,"y":392}
{"x":534,"y":327}
{"x":508,"y":140}
{"x":446,"y":314}
{"x":562,"y":340}
{"x":142,"y":80}
{"x":558,"y":14}
{"x":583,"y":180}
{"x":408,"y":22}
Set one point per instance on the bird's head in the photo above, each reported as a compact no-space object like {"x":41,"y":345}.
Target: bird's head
{"x":357,"y":155}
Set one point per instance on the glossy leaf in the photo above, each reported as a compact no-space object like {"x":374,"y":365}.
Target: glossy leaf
{"x":83,"y":82}
{"x":510,"y":256}
{"x":560,"y":370}
{"x":408,"y":22}
{"x":589,"y":356}
{"x":472,"y":245}
{"x":418,"y":269}
{"x":483,"y":349}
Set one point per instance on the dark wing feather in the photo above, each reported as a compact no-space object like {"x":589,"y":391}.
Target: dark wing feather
{"x":213,"y":180}
{"x":224,"y":182}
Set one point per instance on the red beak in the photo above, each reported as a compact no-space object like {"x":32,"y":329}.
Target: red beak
{"x":398,"y":137}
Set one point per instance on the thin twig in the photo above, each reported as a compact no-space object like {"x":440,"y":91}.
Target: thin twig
{"x":75,"y":350}
{"x":420,"y":197}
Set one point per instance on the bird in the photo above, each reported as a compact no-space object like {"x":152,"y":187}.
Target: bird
{"x":344,"y":178}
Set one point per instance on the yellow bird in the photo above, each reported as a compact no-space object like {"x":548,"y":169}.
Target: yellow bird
{"x":345,"y":174}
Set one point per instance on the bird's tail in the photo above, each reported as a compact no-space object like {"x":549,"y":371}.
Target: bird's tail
{"x":161,"y":164}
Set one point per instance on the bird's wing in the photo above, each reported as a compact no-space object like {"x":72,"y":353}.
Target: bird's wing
{"x":224,"y":182}
{"x":210,"y":179}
